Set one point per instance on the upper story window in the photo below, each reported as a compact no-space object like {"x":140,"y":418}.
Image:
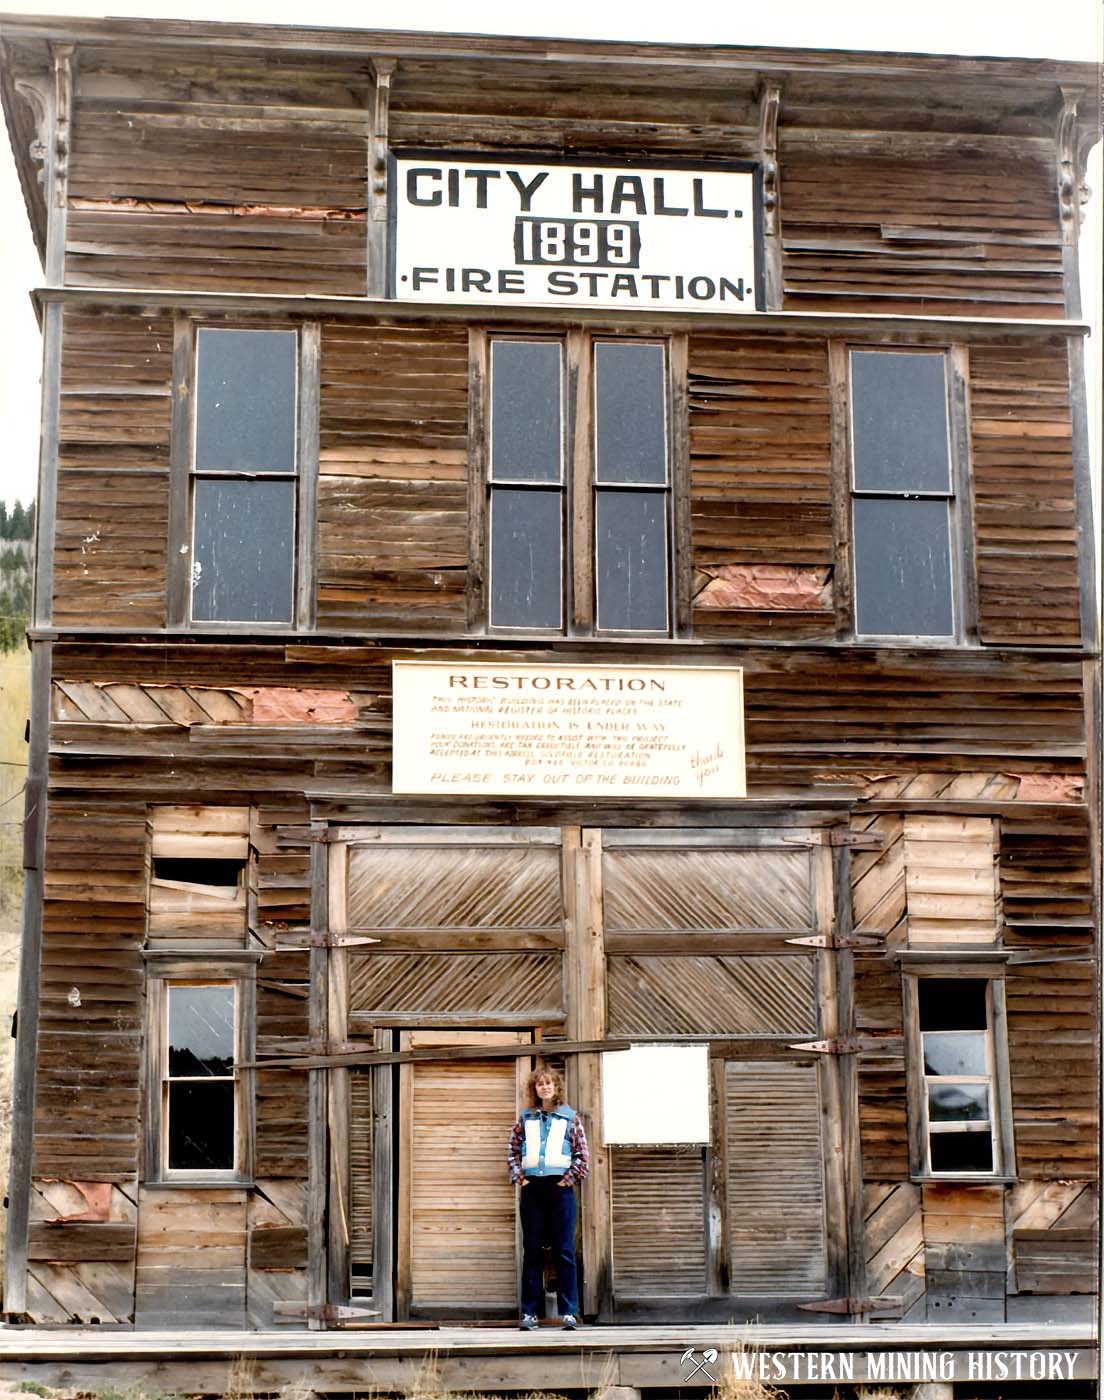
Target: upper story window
{"x":244,"y":476}
{"x":902,"y":496}
{"x":579,"y":486}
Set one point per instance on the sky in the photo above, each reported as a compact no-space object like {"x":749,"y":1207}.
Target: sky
{"x":1066,"y":29}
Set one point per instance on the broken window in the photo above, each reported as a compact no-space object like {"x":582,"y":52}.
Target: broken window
{"x":244,"y":476}
{"x":579,"y":486}
{"x":960,"y":1076}
{"x":902,"y":495}
{"x":198,"y":862}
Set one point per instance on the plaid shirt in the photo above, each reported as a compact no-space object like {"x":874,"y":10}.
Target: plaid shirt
{"x":580,"y":1157}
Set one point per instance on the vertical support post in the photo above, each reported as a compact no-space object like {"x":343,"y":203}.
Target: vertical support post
{"x":383,"y":1216}
{"x":586,"y":1020}
{"x":317,"y":1150}
{"x":178,"y":590}
{"x":379,"y":195}
{"x":478,"y":471}
{"x":965,"y":571}
{"x":680,"y":483}
{"x":770,"y":102}
{"x":337,"y":993}
{"x":580,"y":596}
{"x":307,"y":456}
{"x":57,"y":164}
{"x":856,"y":1286}
{"x":26,"y":1043}
{"x":840,"y":447}
{"x":42,"y":609}
{"x":716,"y":1185}
{"x":830,"y":1074}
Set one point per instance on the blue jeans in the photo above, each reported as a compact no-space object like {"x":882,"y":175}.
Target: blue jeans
{"x":548,"y":1219}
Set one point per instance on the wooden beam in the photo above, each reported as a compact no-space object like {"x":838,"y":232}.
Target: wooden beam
{"x":57,"y":162}
{"x":307,"y":458}
{"x":878,"y":326}
{"x":317,"y":1098}
{"x":770,"y":102}
{"x":42,"y":607}
{"x":682,"y":585}
{"x":377,"y":250}
{"x":26,"y":1041}
{"x":855,"y":1280}
{"x":383,"y":1214}
{"x":441,"y":1052}
{"x":179,"y":565}
{"x":478,"y":472}
{"x":965,"y":569}
{"x":337,"y":1101}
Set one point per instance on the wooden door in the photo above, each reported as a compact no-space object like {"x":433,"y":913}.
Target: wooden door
{"x":457,"y":1240}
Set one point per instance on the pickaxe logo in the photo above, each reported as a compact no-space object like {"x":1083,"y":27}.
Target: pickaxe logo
{"x":709,"y":1357}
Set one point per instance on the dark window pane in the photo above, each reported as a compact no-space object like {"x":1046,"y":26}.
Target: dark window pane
{"x":244,"y":551}
{"x":201,"y":1126}
{"x":903,"y":568}
{"x":961,"y":1152}
{"x":201,"y":1030}
{"x":955,"y":1052}
{"x":630,"y":530}
{"x":223,"y":873}
{"x":952,"y":1003}
{"x":630,"y":413}
{"x":526,"y":431}
{"x":899,"y":422}
{"x":958,"y":1103}
{"x":526,"y":569}
{"x":245,"y":401}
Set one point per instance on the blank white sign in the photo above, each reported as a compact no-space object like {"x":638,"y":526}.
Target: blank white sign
{"x":656,"y":1094}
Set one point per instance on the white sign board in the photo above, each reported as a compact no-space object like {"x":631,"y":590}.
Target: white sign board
{"x":655,"y":1094}
{"x":649,"y":237}
{"x":618,"y":732}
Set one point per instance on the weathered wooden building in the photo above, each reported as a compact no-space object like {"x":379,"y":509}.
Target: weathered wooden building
{"x":654,"y":418}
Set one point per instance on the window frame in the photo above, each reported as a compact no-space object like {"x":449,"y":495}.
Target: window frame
{"x":578,"y":610}
{"x":169,"y":968}
{"x":183,"y":475}
{"x":998,"y":1078}
{"x":958,"y":496}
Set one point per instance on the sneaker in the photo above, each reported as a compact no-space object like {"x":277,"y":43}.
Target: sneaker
{"x":568,"y":1322}
{"x":528,"y":1322}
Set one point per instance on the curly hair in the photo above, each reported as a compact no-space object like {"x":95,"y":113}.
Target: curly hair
{"x":543,"y":1072}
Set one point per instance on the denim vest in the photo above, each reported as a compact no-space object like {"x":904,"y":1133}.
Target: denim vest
{"x":546,"y":1149}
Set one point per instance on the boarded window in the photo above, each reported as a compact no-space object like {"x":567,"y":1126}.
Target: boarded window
{"x":198,"y":863}
{"x":902,"y":495}
{"x":244,"y":466}
{"x":658,"y":1213}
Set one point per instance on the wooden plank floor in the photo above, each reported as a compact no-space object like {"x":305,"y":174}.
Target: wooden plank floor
{"x":503,"y":1359}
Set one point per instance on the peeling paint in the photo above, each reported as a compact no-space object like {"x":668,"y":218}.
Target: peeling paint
{"x":767,"y":587}
{"x":287,"y":705}
{"x":1049,"y":787}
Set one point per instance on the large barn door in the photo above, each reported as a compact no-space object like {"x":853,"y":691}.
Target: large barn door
{"x":718,"y":935}
{"x":457,"y":1249}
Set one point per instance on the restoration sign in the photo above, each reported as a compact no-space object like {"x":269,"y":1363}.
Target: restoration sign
{"x":497,"y":229}
{"x":569,"y":731}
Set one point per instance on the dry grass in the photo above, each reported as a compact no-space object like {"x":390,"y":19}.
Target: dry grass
{"x":739,"y":1377}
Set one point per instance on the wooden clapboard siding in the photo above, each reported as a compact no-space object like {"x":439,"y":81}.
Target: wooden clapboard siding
{"x":776,"y":1198}
{"x":280,"y":901}
{"x":669,"y":890}
{"x":361,"y":1155}
{"x":951,"y":879}
{"x":390,"y":985}
{"x":189,"y":910}
{"x":205,"y":182}
{"x":893,"y":1240}
{"x":393,"y":498}
{"x":1025,"y":523}
{"x":1053,"y":1058}
{"x":458,"y":887}
{"x":191,"y":1269}
{"x":966,"y":1258}
{"x":949,"y":234}
{"x":460,"y":1251}
{"x":89,"y":1054}
{"x":879,"y":906}
{"x":1053,"y":1228}
{"x":1046,"y":877}
{"x":658,"y":1215}
{"x":111,"y":533}
{"x":82,"y":1271}
{"x":760,"y":486}
{"x":656,"y":995}
{"x":514,"y":104}
{"x":276,"y":1221}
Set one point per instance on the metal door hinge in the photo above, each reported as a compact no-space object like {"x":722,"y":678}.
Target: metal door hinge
{"x":325,"y":939}
{"x":838,"y":940}
{"x":848,"y":1307}
{"x":842,"y":1045}
{"x":323,"y":1312}
{"x":323,"y":1047}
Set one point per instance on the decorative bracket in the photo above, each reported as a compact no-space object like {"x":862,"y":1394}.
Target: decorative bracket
{"x":381,"y":116}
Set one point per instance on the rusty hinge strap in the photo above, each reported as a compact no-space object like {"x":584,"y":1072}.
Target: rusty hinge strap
{"x":846,"y":1307}
{"x":838,"y":940}
{"x":325,"y":939}
{"x":322,"y":1312}
{"x":842,"y":1045}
